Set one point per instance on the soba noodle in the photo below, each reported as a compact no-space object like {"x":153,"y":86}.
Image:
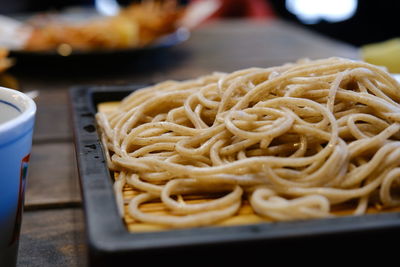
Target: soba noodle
{"x":293,"y":140}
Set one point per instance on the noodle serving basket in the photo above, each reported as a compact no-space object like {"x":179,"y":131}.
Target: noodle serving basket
{"x":110,"y":242}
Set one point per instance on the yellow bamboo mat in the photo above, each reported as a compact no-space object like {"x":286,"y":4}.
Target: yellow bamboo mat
{"x":245,"y":215}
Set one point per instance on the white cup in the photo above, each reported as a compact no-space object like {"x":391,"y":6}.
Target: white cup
{"x":17,"y":117}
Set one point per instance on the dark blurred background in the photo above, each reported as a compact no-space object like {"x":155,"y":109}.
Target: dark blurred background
{"x":373,"y":21}
{"x":357,"y":22}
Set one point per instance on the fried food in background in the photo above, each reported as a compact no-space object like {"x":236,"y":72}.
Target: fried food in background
{"x":136,"y":25}
{"x":5,"y":62}
{"x":6,"y":79}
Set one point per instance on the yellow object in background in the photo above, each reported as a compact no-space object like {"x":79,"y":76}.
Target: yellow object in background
{"x":9,"y":81}
{"x":385,"y":53}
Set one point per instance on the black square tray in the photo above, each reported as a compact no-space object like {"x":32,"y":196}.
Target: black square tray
{"x":110,"y":243}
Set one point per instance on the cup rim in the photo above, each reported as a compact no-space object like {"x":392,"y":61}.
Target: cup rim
{"x":28,"y":111}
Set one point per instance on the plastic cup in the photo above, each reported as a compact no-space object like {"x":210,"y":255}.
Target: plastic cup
{"x":17,"y":117}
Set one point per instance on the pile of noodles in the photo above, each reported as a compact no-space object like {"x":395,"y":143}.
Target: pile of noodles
{"x":294,"y":141}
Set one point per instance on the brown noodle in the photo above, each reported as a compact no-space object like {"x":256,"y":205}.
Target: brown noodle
{"x":295,"y":140}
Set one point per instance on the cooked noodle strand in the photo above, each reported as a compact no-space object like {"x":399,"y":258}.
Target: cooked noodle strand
{"x":294,"y":141}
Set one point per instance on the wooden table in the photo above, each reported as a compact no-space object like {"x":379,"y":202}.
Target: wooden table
{"x":53,"y":223}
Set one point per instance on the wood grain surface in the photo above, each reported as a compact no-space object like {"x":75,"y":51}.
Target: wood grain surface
{"x":52,"y":237}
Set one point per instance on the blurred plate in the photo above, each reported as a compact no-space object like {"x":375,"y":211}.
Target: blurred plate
{"x":74,"y":15}
{"x":169,"y":40}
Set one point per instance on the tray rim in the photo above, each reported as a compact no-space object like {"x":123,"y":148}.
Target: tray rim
{"x":108,"y":234}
